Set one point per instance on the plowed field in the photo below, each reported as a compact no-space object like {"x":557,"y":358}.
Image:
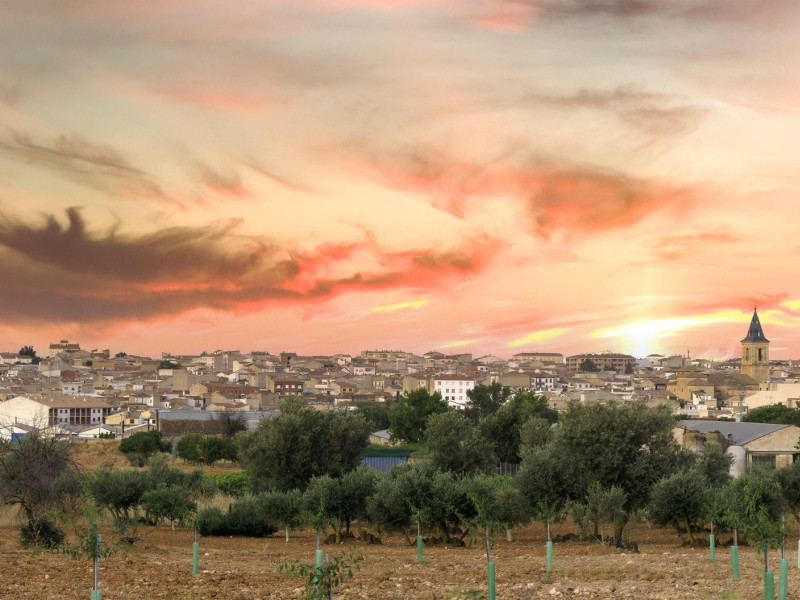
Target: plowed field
{"x":246,"y":569}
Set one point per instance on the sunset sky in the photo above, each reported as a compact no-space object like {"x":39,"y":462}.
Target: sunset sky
{"x":319,"y":176}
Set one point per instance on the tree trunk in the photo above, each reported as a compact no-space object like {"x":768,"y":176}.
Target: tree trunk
{"x":689,"y":531}
{"x":619,"y":527}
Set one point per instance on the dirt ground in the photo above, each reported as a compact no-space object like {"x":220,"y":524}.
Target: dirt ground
{"x":247,"y":569}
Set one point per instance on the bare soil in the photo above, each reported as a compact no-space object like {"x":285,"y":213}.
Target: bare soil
{"x":247,"y":569}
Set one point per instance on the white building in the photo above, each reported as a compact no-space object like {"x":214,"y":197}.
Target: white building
{"x":44,"y":411}
{"x":787,"y":393}
{"x":453,"y":388}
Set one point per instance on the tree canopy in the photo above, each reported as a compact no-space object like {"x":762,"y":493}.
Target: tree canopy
{"x":409,"y":417}
{"x":455,"y":444}
{"x":504,"y":428}
{"x":286,"y":451}
{"x":485,"y":400}
{"x":631,"y":447}
{"x":778,"y":414}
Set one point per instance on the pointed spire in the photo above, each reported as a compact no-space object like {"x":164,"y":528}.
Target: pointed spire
{"x":755,"y":333}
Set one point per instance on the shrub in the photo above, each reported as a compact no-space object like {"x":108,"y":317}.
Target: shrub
{"x":235,"y":484}
{"x":207,"y":449}
{"x":170,"y":502}
{"x":247,"y":517}
{"x":211,"y":521}
{"x":41,"y":533}
{"x":145,"y":443}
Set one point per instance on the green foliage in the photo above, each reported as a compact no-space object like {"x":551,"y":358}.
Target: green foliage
{"x":714,"y":465}
{"x":206,"y":449}
{"x":681,"y":499}
{"x":755,"y":506}
{"x":247,"y":516}
{"x":235,"y":484}
{"x":536,"y":432}
{"x":171,"y":502}
{"x":107,"y":435}
{"x":600,"y":509}
{"x":631,"y":447}
{"x":455,"y":444}
{"x":376,"y":414}
{"x":122,"y":491}
{"x":588,"y":366}
{"x":789,"y":478}
{"x":116,"y":490}
{"x":168,"y":364}
{"x":409,"y":416}
{"x":322,"y":582}
{"x":285,"y":508}
{"x":779,"y":414}
{"x":485,"y":400}
{"x":338,"y":502}
{"x":41,"y":532}
{"x":542,"y":481}
{"x":285,"y":452}
{"x":144,"y":444}
{"x":504,"y":428}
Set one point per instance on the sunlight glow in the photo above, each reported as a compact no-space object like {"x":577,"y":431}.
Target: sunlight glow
{"x":659,"y":328}
{"x":458,"y":343}
{"x":538,"y":336}
{"x":400,"y":306}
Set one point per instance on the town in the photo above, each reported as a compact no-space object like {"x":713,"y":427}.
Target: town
{"x":90,"y":394}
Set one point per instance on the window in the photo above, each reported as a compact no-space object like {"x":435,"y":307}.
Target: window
{"x":759,"y":354}
{"x":763,"y":460}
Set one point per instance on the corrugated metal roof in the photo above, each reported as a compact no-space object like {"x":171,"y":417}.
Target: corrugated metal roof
{"x":740,"y":433}
{"x":383,"y":463}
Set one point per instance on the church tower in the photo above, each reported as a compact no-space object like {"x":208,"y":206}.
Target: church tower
{"x":755,"y":351}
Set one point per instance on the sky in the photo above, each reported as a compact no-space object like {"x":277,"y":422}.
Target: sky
{"x":321,"y":176}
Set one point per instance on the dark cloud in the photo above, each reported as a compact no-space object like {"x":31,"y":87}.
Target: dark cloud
{"x":52,"y":271}
{"x":95,"y":165}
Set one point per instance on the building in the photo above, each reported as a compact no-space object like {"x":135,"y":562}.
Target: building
{"x":555,"y":357}
{"x":453,"y":388}
{"x":384,"y":355}
{"x":755,"y":351}
{"x":45,"y":411}
{"x":605,"y":362}
{"x":751,"y":444}
{"x":63,"y":346}
{"x":787,"y":393}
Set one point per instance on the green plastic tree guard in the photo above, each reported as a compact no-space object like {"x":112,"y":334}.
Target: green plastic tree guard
{"x":491,"y":581}
{"x":769,"y":585}
{"x":735,"y":561}
{"x":549,"y":557}
{"x":419,"y":549}
{"x":712,"y":547}
{"x":783,"y":578}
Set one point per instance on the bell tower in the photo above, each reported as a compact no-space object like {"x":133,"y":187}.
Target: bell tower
{"x":755,"y":351}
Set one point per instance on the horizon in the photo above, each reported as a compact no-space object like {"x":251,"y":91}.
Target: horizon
{"x":480,"y":175}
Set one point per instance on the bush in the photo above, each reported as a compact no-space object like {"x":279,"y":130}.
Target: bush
{"x":145,"y":443}
{"x":234,"y":484}
{"x":170,"y":502}
{"x":211,"y":521}
{"x":41,"y":533}
{"x":247,"y":517}
{"x":207,"y":449}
